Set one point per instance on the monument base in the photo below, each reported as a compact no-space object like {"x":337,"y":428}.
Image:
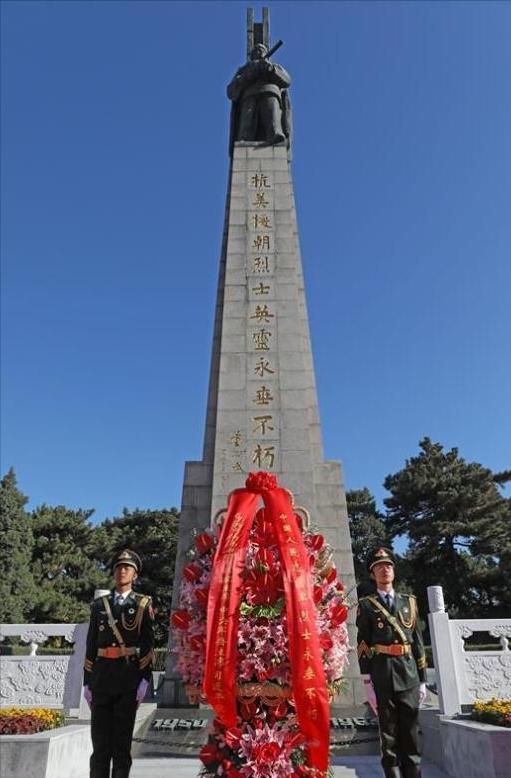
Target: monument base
{"x":181,"y":732}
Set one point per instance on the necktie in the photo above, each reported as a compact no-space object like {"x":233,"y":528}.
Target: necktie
{"x":120,"y":600}
{"x":390,"y":602}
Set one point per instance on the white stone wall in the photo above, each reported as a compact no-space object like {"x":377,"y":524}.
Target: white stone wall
{"x":464,"y":677}
{"x":44,"y":681}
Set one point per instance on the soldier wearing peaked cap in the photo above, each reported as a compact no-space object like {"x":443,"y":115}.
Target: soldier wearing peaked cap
{"x":118,"y":666}
{"x":392,"y":661}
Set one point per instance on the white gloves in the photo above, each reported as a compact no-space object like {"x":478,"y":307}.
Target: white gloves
{"x":422,"y":693}
{"x":141,"y":691}
{"x":370,"y":693}
{"x":88,"y":695}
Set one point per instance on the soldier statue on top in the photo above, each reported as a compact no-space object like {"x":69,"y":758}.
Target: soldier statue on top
{"x":261,"y":109}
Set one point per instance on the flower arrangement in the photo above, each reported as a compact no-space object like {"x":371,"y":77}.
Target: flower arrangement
{"x":26,"y":721}
{"x":267,"y":740}
{"x":494,"y":711}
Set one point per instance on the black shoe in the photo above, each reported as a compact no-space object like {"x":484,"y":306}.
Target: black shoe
{"x":411,"y":771}
{"x":392,"y":772}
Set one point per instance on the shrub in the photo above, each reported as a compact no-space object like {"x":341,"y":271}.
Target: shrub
{"x":497,"y":712}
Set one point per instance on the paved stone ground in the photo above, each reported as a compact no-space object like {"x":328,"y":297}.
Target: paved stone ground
{"x":344,"y":767}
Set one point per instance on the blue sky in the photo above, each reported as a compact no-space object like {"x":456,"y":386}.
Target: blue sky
{"x":114,"y":133}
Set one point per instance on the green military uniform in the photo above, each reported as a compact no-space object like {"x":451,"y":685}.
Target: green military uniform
{"x":391,"y":651}
{"x":119,"y":654}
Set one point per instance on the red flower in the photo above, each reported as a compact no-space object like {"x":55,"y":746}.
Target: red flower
{"x":265,"y":753}
{"x":232,"y":737}
{"x":264,"y":533}
{"x":262,"y":588}
{"x":234,"y":773}
{"x":248,"y":710}
{"x":331,"y":575}
{"x":197,"y":642}
{"x":317,"y":542}
{"x":260,"y":482}
{"x":318,"y":594}
{"x":180,"y":619}
{"x":210,"y":754}
{"x":280,"y":710}
{"x":326,"y":642}
{"x":192,"y":572}
{"x":201,"y":595}
{"x":339,"y":614}
{"x":204,"y":542}
{"x":264,"y":557}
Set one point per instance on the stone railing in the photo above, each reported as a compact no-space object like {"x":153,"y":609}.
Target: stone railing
{"x":464,"y":677}
{"x":46,"y":681}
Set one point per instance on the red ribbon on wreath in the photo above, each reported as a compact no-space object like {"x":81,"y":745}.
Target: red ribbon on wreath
{"x":308,"y":677}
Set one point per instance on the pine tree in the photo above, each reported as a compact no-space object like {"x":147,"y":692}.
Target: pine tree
{"x":459,"y":526}
{"x":153,"y":535}
{"x":367,"y":530}
{"x":64,"y":565}
{"x":16,"y":580}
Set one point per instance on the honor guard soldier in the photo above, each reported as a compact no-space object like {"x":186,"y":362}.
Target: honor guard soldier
{"x":393,"y":665}
{"x":118,"y":666}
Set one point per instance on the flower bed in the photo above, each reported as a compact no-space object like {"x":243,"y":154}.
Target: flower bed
{"x":496,"y":712}
{"x":26,"y":721}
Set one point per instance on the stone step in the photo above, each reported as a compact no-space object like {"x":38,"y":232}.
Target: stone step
{"x":343,"y":767}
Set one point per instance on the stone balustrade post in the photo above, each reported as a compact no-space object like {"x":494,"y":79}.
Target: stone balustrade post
{"x":443,"y":655}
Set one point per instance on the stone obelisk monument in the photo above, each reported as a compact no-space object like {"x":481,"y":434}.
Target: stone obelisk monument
{"x":262,"y":409}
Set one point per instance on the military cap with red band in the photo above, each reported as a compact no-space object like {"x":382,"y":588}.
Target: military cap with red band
{"x":381,"y":554}
{"x":127,"y":557}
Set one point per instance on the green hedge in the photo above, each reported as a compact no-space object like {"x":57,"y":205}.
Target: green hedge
{"x":41,"y":651}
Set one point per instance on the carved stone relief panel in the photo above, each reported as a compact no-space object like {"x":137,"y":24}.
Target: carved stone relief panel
{"x":33,"y":681}
{"x":488,"y":676}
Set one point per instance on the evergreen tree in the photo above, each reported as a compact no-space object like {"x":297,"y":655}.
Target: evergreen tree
{"x":16,"y":581}
{"x":458,"y":525}
{"x":64,"y":565}
{"x":367,"y":530}
{"x":153,"y":535}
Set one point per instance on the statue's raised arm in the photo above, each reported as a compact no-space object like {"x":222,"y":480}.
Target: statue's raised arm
{"x":261,"y":109}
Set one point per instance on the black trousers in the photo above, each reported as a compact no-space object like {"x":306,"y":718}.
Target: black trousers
{"x":398,"y":717}
{"x":112,"y":722}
